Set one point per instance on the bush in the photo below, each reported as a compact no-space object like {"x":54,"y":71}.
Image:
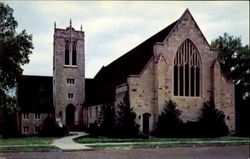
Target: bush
{"x":191,"y":129}
{"x":9,"y":128}
{"x":106,"y":121}
{"x":50,"y":129}
{"x":94,"y":129}
{"x":212,"y":122}
{"x":169,"y":122}
{"x":126,"y":125}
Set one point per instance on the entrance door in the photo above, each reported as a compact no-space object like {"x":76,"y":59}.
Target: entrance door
{"x":146,"y":117}
{"x":70,"y":115}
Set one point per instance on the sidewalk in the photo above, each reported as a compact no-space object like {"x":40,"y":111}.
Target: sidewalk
{"x":67,"y":143}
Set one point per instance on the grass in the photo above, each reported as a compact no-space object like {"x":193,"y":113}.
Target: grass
{"x":134,"y":145}
{"x":114,"y":140}
{"x":29,"y":148}
{"x":27,"y":140}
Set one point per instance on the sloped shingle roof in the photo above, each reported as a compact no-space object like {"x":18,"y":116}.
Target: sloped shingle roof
{"x":116,"y":73}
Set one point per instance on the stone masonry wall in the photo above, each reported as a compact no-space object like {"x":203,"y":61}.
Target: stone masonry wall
{"x":142,"y":94}
{"x":31,"y":122}
{"x":149,"y":90}
{"x":61,"y":72}
{"x":187,"y":29}
{"x":224,"y":97}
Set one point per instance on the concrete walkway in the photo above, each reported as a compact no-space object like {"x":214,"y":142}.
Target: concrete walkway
{"x":67,"y":143}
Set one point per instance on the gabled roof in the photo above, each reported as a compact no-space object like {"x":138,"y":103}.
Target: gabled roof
{"x":35,"y":94}
{"x":131,"y":63}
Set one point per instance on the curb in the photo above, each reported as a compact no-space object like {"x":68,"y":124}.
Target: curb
{"x":119,"y":148}
{"x":16,"y":151}
{"x":165,"y":146}
{"x":59,"y":150}
{"x":74,"y":150}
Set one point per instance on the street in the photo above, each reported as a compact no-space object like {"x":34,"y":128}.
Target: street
{"x":210,"y":152}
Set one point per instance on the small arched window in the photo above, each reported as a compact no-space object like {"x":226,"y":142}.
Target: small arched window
{"x":187,"y":70}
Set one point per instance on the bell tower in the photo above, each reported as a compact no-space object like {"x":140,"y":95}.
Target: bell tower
{"x":68,"y":75}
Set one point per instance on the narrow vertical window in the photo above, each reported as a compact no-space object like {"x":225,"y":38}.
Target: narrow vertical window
{"x":70,"y":95}
{"x":90,"y":112}
{"x":187,"y":70}
{"x":192,"y":81}
{"x":96,"y":111}
{"x":67,"y":53}
{"x":186,"y":80}
{"x":37,"y":116}
{"x":181,"y":81}
{"x":197,"y":81}
{"x":175,"y":81}
{"x":25,"y":115}
{"x":74,"y":54}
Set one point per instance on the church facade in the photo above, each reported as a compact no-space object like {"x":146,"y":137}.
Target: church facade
{"x":176,"y":63}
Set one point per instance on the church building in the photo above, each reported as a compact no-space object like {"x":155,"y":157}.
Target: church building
{"x":176,"y":63}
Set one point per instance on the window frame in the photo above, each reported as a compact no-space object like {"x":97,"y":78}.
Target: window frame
{"x":70,"y":95}
{"x":26,"y":129}
{"x":37,"y":128}
{"x":37,"y":116}
{"x":25,"y":116}
{"x":184,"y":60}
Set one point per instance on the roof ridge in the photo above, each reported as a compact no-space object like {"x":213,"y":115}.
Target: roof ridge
{"x":150,"y":41}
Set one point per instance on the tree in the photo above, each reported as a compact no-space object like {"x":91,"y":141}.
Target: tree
{"x":15,"y":49}
{"x":212,"y":122}
{"x":169,"y":122}
{"x":234,"y":61}
{"x":126,"y":125}
{"x":106,"y":120}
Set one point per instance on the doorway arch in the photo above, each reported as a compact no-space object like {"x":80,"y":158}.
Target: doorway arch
{"x":146,"y":122}
{"x":70,"y":114}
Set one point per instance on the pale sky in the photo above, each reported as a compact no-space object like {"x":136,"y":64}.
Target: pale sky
{"x":112,"y":28}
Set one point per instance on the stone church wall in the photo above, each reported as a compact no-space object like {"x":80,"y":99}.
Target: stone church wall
{"x":31,"y":122}
{"x":142,"y":94}
{"x":62,"y":72}
{"x":224,"y":97}
{"x":187,"y":29}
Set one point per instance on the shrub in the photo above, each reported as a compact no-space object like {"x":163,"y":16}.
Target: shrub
{"x":190,"y":129}
{"x":126,"y":125}
{"x":212,"y":122}
{"x":94,"y":129}
{"x":106,"y":120}
{"x":50,"y":129}
{"x":169,"y":122}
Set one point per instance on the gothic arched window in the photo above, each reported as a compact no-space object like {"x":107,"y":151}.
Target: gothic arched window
{"x":74,"y":57}
{"x":187,"y":70}
{"x":67,"y":53}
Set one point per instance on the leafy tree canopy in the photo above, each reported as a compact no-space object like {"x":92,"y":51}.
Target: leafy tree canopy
{"x":234,"y":61}
{"x":15,"y":49}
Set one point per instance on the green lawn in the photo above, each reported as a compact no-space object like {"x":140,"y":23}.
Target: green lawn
{"x":27,"y":140}
{"x":156,"y":145}
{"x":29,"y":148}
{"x":113,"y":140}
